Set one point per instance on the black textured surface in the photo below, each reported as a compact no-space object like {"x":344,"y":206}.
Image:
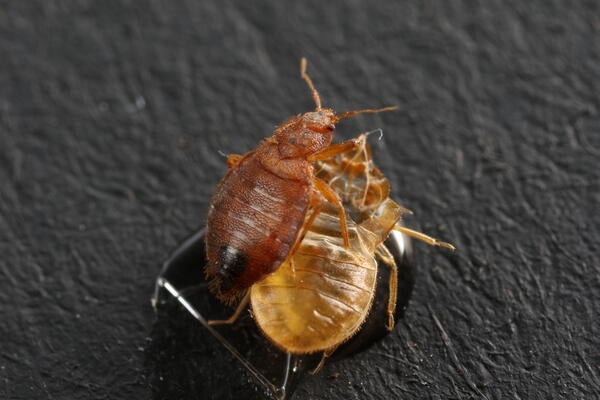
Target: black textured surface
{"x":112,"y":115}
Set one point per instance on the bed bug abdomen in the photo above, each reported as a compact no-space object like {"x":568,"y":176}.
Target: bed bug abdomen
{"x":233,"y":262}
{"x":253,"y":223}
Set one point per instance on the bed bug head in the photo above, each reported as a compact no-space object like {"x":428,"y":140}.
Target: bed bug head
{"x":312,"y":131}
{"x":306,"y":133}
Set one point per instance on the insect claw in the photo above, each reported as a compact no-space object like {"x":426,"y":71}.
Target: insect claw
{"x":391,"y":323}
{"x":406,"y":211}
{"x":446,"y":245}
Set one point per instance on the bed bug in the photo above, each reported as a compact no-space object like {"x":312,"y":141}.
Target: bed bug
{"x":320,"y":297}
{"x":269,"y":197}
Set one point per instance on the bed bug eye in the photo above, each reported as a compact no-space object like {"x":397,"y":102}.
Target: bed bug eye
{"x":331,"y":127}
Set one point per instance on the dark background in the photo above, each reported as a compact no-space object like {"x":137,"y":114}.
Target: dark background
{"x":112,"y":116}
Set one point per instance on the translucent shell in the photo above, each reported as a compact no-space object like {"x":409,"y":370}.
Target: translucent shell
{"x":320,"y":297}
{"x":359,"y":183}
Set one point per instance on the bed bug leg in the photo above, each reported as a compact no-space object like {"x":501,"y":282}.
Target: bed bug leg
{"x":233,"y":160}
{"x":315,"y":208}
{"x":387,"y":258}
{"x":335,"y":149}
{"x":238,"y":311}
{"x":423,"y":237}
{"x":332,"y":197}
{"x":324,"y":358}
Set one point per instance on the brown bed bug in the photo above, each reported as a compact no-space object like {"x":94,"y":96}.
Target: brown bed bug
{"x":321,"y":295}
{"x":269,"y":197}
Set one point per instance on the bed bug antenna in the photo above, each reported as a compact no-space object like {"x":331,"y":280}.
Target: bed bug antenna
{"x":349,"y":114}
{"x":310,"y":84}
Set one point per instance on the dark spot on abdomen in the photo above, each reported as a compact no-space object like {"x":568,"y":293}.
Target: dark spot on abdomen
{"x":233,"y":263}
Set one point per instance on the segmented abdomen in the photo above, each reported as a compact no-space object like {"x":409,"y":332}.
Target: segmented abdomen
{"x":321,"y":296}
{"x":253,"y":222}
